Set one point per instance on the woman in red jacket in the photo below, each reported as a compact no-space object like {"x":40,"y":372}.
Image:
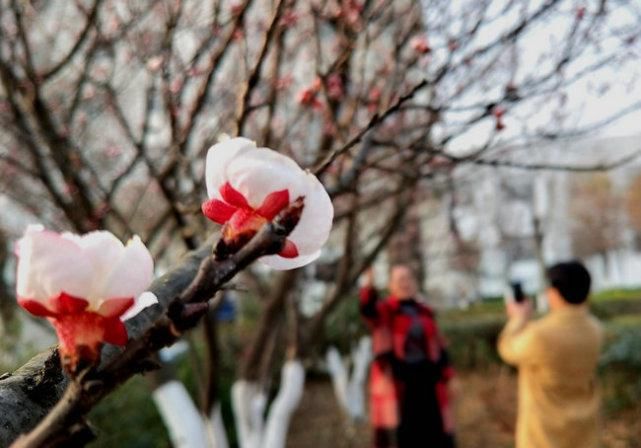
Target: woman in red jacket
{"x":409,"y":403}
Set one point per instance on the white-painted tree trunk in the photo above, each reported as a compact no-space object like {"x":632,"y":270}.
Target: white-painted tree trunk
{"x":183,"y":421}
{"x":292,"y":383}
{"x":249,"y":401}
{"x":350,"y":392}
{"x":338,"y":373}
{"x":361,"y":357}
{"x":216,"y":433}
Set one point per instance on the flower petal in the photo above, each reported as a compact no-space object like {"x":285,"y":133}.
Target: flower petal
{"x":115,"y":332}
{"x":273,"y":204}
{"x":260,"y":172}
{"x":49,"y":264}
{"x":103,"y":249}
{"x":35,"y":307}
{"x":67,"y":304}
{"x":144,"y":300}
{"x":315,"y":223}
{"x":115,"y":307}
{"x":279,"y":263}
{"x":233,"y":197}
{"x":218,"y":157}
{"x":218,"y":211}
{"x":131,"y":274}
{"x":101,"y":246}
{"x":289,"y":250}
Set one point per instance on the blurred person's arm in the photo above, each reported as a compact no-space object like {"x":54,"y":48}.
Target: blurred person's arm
{"x":517,"y":342}
{"x":369,"y":298}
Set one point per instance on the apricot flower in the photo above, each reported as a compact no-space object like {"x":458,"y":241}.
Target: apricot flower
{"x":83,"y":285}
{"x":248,"y":186}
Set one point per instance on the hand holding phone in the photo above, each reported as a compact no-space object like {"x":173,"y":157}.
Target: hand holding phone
{"x":517,"y":305}
{"x":517,"y":292}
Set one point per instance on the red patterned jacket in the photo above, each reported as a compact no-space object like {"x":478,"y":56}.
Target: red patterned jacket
{"x":389,"y":332}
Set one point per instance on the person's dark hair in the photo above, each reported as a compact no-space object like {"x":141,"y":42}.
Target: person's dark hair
{"x":572,"y":280}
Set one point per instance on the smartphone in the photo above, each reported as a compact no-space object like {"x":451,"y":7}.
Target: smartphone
{"x":517,"y":292}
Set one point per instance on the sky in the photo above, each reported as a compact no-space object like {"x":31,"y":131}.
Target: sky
{"x":586,"y":103}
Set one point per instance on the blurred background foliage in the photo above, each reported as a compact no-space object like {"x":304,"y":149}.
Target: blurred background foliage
{"x":128,"y":418}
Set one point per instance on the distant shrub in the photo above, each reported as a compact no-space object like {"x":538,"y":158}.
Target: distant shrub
{"x":617,"y":294}
{"x":344,"y":326}
{"x":610,"y":308}
{"x":472,"y":343}
{"x":620,"y":366}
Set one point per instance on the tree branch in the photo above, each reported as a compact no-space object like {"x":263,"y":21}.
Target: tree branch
{"x":183,"y":301}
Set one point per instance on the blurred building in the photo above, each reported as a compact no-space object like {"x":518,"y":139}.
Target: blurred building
{"x":500,"y":213}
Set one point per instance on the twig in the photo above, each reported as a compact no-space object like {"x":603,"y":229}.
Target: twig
{"x":91,"y":21}
{"x":243,"y":108}
{"x":373,"y":122}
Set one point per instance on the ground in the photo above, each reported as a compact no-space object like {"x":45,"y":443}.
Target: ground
{"x":485,"y":417}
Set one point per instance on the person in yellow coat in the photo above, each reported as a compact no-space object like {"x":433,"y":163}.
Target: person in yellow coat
{"x":556,"y":356}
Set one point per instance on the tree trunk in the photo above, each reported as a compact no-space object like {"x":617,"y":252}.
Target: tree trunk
{"x":181,"y":417}
{"x":406,"y":245}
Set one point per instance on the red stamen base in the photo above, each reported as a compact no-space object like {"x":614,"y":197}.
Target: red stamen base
{"x":241,"y":221}
{"x":81,"y":333}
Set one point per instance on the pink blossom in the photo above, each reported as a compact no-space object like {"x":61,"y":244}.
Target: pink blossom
{"x":195,"y":71}
{"x":335,"y":86}
{"x":70,"y":188}
{"x":238,"y":34}
{"x":283,"y":82}
{"x":176,"y":85}
{"x":498,"y":112}
{"x":309,"y":95}
{"x":83,"y":285}
{"x":420,"y":45}
{"x":88,"y":92}
{"x":289,"y":19}
{"x":154,"y":64}
{"x":236,"y":8}
{"x":374,"y":98}
{"x":329,"y":128}
{"x":113,"y":151}
{"x":351,"y":11}
{"x":248,"y":186}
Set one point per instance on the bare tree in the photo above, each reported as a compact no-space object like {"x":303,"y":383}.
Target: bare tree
{"x":106,"y":121}
{"x":633,"y":208}
{"x":597,"y":216}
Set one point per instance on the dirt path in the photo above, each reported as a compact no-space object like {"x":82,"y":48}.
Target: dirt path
{"x":485,"y":417}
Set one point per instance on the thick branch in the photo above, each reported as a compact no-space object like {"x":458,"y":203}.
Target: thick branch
{"x":30,"y":392}
{"x":185,"y":298}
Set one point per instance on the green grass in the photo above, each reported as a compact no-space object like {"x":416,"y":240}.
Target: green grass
{"x":624,"y":322}
{"x":128,"y":418}
{"x":483,"y":309}
{"x":617,"y":294}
